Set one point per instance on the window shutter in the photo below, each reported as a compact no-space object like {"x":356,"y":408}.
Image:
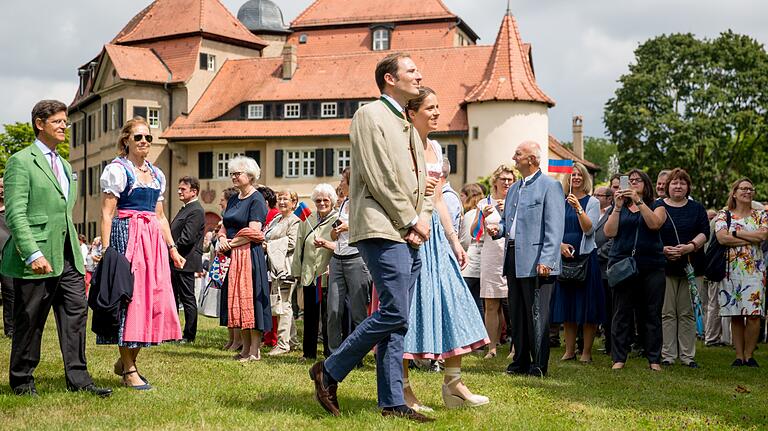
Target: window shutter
{"x":329,"y":167}
{"x":304,"y":110}
{"x":315,"y":110}
{"x":451,"y":152}
{"x":104,"y":116}
{"x":279,"y":111}
{"x":278,"y":163}
{"x":90,"y":181}
{"x":88,"y":124}
{"x":73,"y":136}
{"x":319,"y":164}
{"x":244,"y":111}
{"x":81,"y":179}
{"x":205,"y":165}
{"x":203,"y":61}
{"x":120,"y":114}
{"x":255,"y":155}
{"x":268,"y":111}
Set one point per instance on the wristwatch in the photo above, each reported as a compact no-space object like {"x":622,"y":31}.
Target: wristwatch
{"x":640,"y":202}
{"x":580,"y":211}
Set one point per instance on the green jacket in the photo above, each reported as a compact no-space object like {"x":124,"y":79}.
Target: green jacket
{"x":37,"y":215}
{"x":310,"y":262}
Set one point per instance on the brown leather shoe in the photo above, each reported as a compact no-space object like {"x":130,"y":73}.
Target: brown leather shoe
{"x":322,"y":393}
{"x":410,"y":414}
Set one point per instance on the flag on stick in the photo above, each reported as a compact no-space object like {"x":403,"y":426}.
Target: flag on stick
{"x":560,"y":166}
{"x":302,"y":212}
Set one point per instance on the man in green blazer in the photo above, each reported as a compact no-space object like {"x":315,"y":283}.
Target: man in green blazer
{"x":388,"y":222}
{"x":43,"y":255}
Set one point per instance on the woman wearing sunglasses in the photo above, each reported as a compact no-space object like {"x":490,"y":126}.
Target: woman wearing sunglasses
{"x":134,"y":224}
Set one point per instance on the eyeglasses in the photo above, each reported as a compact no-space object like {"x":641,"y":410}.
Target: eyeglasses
{"x":746,"y":189}
{"x":59,"y":123}
{"x":319,"y":201}
{"x":137,"y":138}
{"x":235,"y":174}
{"x":635,"y":180}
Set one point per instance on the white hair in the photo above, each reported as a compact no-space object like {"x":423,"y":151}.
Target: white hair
{"x":325,"y":190}
{"x":247,"y":165}
{"x":535,"y":150}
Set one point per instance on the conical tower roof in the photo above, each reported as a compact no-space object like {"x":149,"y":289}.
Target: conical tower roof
{"x":509,"y":75}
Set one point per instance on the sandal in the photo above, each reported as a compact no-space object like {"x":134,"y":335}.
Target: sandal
{"x":118,"y":370}
{"x":145,"y":387}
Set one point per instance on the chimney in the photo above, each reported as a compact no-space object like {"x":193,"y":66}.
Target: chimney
{"x":290,"y":61}
{"x":578,"y":136}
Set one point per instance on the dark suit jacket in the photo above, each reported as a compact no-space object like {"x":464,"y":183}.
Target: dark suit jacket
{"x":187,"y":232}
{"x":111,"y":291}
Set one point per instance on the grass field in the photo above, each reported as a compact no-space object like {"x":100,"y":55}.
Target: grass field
{"x":198,"y":387}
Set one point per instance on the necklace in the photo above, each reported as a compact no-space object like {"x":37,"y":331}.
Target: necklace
{"x":144,"y":168}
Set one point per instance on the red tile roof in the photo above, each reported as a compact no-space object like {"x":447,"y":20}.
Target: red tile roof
{"x":509,"y":75}
{"x":559,"y":150}
{"x":451,"y":72}
{"x":137,"y":64}
{"x":180,"y":55}
{"x":170,"y":18}
{"x":335,"y":12}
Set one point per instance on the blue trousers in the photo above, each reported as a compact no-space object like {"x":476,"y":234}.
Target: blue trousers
{"x":394,"y":268}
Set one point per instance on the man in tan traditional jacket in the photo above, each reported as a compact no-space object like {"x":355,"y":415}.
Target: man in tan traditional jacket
{"x":388,"y":221}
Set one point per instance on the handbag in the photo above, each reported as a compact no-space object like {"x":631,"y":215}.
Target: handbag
{"x":276,"y":300}
{"x":625,"y":268}
{"x":210,"y":299}
{"x":574,"y":269}
{"x":714,"y":258}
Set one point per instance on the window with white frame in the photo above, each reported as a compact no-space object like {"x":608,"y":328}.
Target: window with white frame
{"x":308,"y":163}
{"x":255,"y":111}
{"x":329,"y":110}
{"x":343,"y":160}
{"x":292,"y":110}
{"x":222,"y":163}
{"x":381,"y":39}
{"x":153,"y":117}
{"x":211,"y":63}
{"x":293,"y":164}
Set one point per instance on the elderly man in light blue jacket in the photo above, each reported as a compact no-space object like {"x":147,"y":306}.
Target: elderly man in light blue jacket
{"x":532,"y":224}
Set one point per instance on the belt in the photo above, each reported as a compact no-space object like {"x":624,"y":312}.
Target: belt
{"x":346,"y":257}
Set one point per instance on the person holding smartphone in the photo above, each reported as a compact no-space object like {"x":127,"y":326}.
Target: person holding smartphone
{"x":634,"y":225}
{"x":349,"y":278}
{"x":579,"y":302}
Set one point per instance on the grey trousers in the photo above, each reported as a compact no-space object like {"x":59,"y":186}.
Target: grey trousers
{"x":286,"y":330}
{"x":678,"y":321}
{"x":349,"y":285}
{"x":713,"y":327}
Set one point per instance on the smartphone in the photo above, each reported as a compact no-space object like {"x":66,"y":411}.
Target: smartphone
{"x":336,"y":224}
{"x":623,"y":182}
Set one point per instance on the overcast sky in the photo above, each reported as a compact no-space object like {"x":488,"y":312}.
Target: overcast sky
{"x":580,"y":48}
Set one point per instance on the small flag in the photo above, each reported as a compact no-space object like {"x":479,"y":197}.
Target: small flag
{"x":477,"y":234}
{"x":302,"y":212}
{"x":560,"y":166}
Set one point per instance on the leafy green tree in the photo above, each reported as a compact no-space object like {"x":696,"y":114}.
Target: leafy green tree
{"x":18,"y":136}
{"x":697,"y":104}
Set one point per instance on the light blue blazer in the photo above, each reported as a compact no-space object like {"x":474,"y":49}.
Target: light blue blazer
{"x":540,"y":224}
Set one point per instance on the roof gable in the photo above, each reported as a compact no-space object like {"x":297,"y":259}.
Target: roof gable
{"x":164,"y":19}
{"x":509,"y":75}
{"x":339,"y":12}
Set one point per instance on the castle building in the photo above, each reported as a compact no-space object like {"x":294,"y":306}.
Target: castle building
{"x":214,"y":86}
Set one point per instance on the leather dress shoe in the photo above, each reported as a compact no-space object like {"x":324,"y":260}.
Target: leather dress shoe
{"x":406,"y":413}
{"x":95,"y":390}
{"x":325,"y":395}
{"x":29,"y":391}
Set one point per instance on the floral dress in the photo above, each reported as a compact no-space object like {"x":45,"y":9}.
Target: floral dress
{"x":742,"y":291}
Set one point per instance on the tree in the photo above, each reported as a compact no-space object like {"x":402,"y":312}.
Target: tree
{"x":18,"y":136}
{"x":599,"y":152}
{"x":696,"y":104}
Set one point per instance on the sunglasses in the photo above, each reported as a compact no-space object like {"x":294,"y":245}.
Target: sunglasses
{"x":137,"y":138}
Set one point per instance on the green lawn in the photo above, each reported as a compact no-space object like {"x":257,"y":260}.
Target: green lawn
{"x":199,"y":387}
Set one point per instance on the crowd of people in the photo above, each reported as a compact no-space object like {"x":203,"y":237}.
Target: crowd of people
{"x":392,"y":259}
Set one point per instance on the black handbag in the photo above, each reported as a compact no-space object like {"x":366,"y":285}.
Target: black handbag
{"x":714,"y":257}
{"x":574,"y":269}
{"x":625,"y":268}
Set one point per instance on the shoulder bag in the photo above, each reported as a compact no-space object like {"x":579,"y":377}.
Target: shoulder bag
{"x":625,"y":268}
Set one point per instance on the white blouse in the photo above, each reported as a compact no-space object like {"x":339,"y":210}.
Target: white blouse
{"x":114,"y":180}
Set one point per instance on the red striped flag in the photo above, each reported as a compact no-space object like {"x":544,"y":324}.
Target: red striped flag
{"x":302,"y":212}
{"x":560,"y":166}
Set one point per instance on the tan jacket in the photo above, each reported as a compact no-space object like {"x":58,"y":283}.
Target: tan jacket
{"x":310,"y":262}
{"x":388,"y":178}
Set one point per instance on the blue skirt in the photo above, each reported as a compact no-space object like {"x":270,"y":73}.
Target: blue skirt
{"x":444,"y":320}
{"x":580,"y":302}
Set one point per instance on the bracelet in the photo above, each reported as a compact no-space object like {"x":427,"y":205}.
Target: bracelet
{"x":171,"y":246}
{"x":695,"y":247}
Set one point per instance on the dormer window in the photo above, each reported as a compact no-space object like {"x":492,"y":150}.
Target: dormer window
{"x":255,"y":111}
{"x":381,"y":36}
